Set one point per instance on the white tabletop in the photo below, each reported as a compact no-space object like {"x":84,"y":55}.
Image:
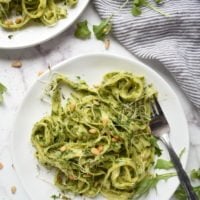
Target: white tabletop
{"x":37,"y":59}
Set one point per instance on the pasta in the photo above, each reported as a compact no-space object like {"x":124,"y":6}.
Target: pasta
{"x":98,"y":140}
{"x":15,"y":14}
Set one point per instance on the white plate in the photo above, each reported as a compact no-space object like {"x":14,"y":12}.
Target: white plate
{"x":91,"y":68}
{"x":35,"y":34}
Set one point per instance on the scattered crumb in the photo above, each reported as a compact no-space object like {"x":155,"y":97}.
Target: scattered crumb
{"x":8,"y":22}
{"x":13,"y":166}
{"x":49,"y":67}
{"x":18,"y":20}
{"x":107,"y":43}
{"x":10,"y":36}
{"x":40,"y":73}
{"x":1,"y":165}
{"x":13,"y":189}
{"x":16,"y":64}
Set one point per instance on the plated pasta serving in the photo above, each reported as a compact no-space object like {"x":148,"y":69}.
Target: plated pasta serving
{"x":89,"y":137}
{"x":99,"y":141}
{"x":15,"y":14}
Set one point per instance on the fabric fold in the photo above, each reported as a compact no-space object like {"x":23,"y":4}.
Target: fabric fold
{"x":173,"y":40}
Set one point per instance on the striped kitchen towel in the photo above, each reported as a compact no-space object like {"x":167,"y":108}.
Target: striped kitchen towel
{"x":173,"y":40}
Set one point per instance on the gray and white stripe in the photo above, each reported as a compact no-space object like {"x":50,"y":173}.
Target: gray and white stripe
{"x":174,"y":40}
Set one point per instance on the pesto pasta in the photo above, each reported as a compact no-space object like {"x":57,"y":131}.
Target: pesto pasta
{"x":15,"y":14}
{"x":98,"y":140}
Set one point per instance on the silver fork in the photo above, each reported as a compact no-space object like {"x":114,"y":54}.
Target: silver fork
{"x":160,"y":128}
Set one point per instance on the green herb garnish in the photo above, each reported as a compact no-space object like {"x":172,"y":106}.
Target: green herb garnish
{"x":195,"y":174}
{"x":138,"y":4}
{"x":102,"y":30}
{"x":2,"y":91}
{"x":163,"y":164}
{"x":150,"y":182}
{"x":181,"y":195}
{"x":10,"y":36}
{"x":82,"y":31}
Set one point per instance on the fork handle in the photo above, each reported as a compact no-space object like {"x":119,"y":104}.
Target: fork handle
{"x":182,"y":175}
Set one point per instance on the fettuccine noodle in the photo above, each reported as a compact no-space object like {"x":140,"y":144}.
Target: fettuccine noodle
{"x":99,"y":139}
{"x":15,"y":14}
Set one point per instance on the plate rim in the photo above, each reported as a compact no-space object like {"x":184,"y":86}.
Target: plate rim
{"x":85,"y":55}
{"x":48,"y":38}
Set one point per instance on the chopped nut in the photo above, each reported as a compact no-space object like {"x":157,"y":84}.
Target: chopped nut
{"x":107,"y":43}
{"x":105,"y":121}
{"x":8,"y":22}
{"x":114,"y":139}
{"x":63,"y":148}
{"x":18,"y":20}
{"x":72,"y":107}
{"x":71,"y":177}
{"x":13,"y":189}
{"x":100,"y":148}
{"x":1,"y":165}
{"x":95,"y":151}
{"x":16,"y":64}
{"x":96,"y":102}
{"x":40,"y":73}
{"x":92,"y":130}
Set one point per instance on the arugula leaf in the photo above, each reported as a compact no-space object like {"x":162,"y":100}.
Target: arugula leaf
{"x":154,"y":143}
{"x":163,"y":164}
{"x":103,"y":29}
{"x":136,"y":8}
{"x":136,"y":11}
{"x":181,"y":195}
{"x":167,"y":164}
{"x":150,"y":182}
{"x":138,"y":4}
{"x":71,"y":3}
{"x":158,"y":1}
{"x":54,"y":197}
{"x":182,"y":152}
{"x":180,"y":192}
{"x":82,"y":31}
{"x":2,"y":90}
{"x":195,"y":174}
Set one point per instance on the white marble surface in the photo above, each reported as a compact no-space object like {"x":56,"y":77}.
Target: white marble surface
{"x":37,"y":59}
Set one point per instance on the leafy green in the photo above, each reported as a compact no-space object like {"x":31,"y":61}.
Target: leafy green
{"x":195,"y":174}
{"x":2,"y":91}
{"x":182,"y":152}
{"x":163,"y":164}
{"x":82,"y":31}
{"x":72,"y":3}
{"x":158,"y":1}
{"x":54,"y":197}
{"x":167,"y":164}
{"x":154,"y":143}
{"x":180,"y":192}
{"x":138,"y":4}
{"x":60,"y":197}
{"x":102,"y":30}
{"x":150,"y":182}
{"x":136,"y":11}
{"x":181,"y":195}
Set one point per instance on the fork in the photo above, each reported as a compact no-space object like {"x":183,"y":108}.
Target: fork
{"x":161,"y":129}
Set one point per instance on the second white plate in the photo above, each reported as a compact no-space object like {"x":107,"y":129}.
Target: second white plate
{"x":35,"y":34}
